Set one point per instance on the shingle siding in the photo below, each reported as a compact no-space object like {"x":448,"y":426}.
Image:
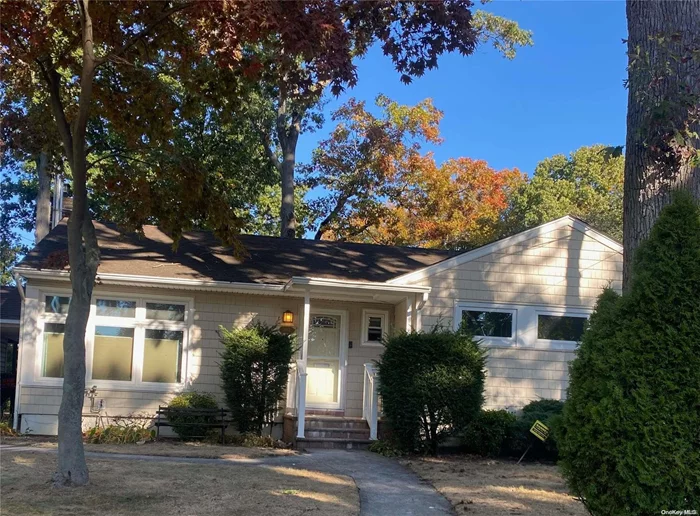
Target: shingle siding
{"x":211,"y":310}
{"x":562,"y":268}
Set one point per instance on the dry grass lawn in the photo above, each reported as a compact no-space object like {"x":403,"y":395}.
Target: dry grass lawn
{"x":119,"y":487}
{"x":480,"y":486}
{"x":160,"y":448}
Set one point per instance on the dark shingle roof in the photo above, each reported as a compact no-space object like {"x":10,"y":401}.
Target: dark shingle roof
{"x":10,"y":303}
{"x":201,"y":256}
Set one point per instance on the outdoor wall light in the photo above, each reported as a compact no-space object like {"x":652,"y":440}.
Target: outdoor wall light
{"x":287,"y":325}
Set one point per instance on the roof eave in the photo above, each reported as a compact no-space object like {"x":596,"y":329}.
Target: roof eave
{"x":294,"y":287}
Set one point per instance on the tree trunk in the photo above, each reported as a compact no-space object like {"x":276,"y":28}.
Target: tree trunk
{"x":43,"y":198}
{"x":84,"y":257}
{"x":287,"y":219}
{"x":288,"y":127}
{"x":649,"y":180}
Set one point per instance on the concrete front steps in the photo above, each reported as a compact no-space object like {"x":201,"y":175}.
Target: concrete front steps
{"x":337,"y":432}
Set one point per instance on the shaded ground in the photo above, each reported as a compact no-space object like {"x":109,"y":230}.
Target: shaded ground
{"x":481,"y":486}
{"x":160,"y":448}
{"x":151,"y":487}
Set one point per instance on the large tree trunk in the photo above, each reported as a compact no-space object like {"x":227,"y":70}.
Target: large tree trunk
{"x":287,"y":219}
{"x":288,"y":127}
{"x":650,"y":176}
{"x":43,"y":198}
{"x":84,"y":257}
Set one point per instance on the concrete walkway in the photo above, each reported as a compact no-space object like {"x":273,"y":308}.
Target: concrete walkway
{"x":386,"y":488}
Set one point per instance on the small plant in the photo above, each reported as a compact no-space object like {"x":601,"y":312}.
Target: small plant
{"x":549,"y":413}
{"x":6,"y":430}
{"x":247,"y":440}
{"x":254,"y":369}
{"x":192,"y":426}
{"x":122,"y":431}
{"x":431,"y":385}
{"x":488,"y":433}
{"x":385,"y":448}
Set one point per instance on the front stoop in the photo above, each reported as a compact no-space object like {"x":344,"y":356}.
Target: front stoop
{"x":336,"y":432}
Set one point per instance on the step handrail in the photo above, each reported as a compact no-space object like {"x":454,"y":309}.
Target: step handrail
{"x":370,"y":399}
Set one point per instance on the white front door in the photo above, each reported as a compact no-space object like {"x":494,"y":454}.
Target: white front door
{"x":325,"y":362}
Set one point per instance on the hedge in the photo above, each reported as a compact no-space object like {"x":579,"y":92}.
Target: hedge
{"x":630,"y":433}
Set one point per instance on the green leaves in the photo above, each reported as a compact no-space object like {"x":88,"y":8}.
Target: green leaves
{"x":629,"y":438}
{"x":431,"y":385}
{"x":587,"y":184}
{"x":254,"y":369}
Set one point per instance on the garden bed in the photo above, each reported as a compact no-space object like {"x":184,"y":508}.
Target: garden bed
{"x":479,"y":486}
{"x":119,"y":487}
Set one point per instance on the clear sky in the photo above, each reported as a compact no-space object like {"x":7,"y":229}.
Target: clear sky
{"x":564,"y":92}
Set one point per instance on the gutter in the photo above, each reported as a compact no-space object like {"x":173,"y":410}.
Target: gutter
{"x":180,"y":283}
{"x":229,"y":286}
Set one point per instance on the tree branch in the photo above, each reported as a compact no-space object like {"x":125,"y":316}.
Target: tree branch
{"x":145,"y":32}
{"x":265,"y":140}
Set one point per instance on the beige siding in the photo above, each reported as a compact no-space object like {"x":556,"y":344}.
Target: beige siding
{"x":563,"y":268}
{"x":211,"y":310}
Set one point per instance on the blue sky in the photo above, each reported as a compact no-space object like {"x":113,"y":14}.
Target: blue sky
{"x":564,"y":92}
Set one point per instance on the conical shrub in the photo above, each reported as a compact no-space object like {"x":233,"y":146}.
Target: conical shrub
{"x":630,"y":434}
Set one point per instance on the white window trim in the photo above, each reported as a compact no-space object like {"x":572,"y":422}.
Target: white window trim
{"x":525,"y":325}
{"x":489,"y":307}
{"x":555,"y":343}
{"x":140,"y":325}
{"x":366,"y":314}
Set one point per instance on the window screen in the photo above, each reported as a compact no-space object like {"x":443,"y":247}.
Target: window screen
{"x":560,"y":327}
{"x":161,"y":356}
{"x":374,"y":328}
{"x":113,"y":353}
{"x":52,"y":363}
{"x":488,"y":323}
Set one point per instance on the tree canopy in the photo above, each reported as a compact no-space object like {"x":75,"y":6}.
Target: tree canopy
{"x":586,"y":184}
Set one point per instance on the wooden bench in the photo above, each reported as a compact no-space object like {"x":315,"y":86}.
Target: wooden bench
{"x":217,"y":418}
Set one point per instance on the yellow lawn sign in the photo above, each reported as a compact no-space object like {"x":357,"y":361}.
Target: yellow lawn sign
{"x":539,"y":430}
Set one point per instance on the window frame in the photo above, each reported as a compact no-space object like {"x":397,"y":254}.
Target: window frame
{"x":487,"y":341}
{"x":140,"y":325}
{"x":558,"y":312}
{"x":366,"y":314}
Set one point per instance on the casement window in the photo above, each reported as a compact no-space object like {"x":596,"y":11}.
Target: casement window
{"x":131,"y":343}
{"x":374,"y":327}
{"x":522,"y":325}
{"x":559,"y":327}
{"x":489,"y":324}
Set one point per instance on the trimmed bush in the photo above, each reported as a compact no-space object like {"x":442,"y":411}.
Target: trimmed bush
{"x":487,"y":434}
{"x":254,"y":369}
{"x":431,"y":385}
{"x":630,"y":433}
{"x":186,"y":426}
{"x":549,"y":413}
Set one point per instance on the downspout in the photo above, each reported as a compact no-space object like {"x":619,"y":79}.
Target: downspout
{"x":18,"y":385}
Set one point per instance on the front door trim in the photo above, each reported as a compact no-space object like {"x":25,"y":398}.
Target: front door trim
{"x":343,"y":358}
